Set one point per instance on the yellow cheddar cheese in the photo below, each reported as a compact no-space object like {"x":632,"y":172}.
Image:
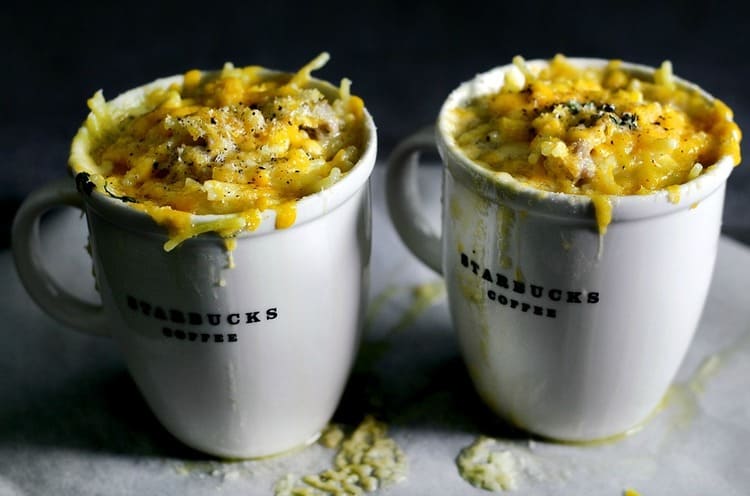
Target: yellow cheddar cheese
{"x":237,"y":141}
{"x":596,"y":131}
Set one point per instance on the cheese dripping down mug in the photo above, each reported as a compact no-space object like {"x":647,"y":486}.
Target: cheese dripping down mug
{"x":241,"y":344}
{"x":573,"y":310}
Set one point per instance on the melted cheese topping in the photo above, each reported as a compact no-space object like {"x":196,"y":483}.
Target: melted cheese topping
{"x":240,"y":141}
{"x":596,"y":132}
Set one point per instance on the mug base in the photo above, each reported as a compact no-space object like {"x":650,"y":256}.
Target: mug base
{"x":249,"y":454}
{"x":593,"y":440}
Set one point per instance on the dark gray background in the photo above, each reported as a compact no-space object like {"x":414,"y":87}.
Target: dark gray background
{"x":403,"y":59}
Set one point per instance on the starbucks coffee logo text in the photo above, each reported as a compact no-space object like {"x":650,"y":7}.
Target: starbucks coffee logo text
{"x":526,"y":297}
{"x":199,"y":327}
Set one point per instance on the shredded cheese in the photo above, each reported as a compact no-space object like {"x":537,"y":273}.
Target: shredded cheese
{"x":238,"y":141}
{"x":367,"y":460}
{"x":596,"y":132}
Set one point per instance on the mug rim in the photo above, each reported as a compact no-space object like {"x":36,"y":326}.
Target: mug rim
{"x":502,"y":187}
{"x":308,"y":207}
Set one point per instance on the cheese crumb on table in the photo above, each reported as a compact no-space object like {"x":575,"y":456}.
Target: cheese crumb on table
{"x":366,"y":461}
{"x":488,"y":469}
{"x":498,"y":466}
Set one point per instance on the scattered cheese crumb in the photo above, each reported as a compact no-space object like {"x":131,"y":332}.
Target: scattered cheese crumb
{"x":487,"y":469}
{"x":331,"y":436}
{"x":495,"y":466}
{"x":367,"y":460}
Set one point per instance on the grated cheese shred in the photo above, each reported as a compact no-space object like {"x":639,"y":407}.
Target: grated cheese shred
{"x":240,"y":141}
{"x":599,"y":132}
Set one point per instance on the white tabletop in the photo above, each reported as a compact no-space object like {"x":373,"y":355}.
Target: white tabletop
{"x":73,"y":423}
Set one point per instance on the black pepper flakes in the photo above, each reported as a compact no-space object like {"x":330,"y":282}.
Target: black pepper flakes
{"x":630,"y":120}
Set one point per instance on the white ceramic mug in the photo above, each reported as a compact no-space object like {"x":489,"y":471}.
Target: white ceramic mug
{"x":565,"y":333}
{"x":241,"y":361}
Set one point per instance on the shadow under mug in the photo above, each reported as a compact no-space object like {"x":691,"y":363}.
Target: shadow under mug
{"x":566,"y":333}
{"x":239,"y":354}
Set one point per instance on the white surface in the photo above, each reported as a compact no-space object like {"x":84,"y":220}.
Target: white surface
{"x":72,"y":422}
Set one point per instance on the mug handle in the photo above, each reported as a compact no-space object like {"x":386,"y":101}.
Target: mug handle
{"x":43,"y":289}
{"x":404,"y":201}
